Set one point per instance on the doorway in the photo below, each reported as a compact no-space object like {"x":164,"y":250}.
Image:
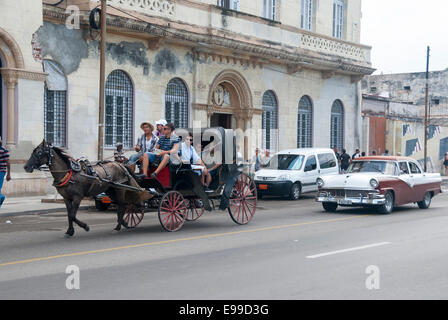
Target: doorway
{"x":221,"y":120}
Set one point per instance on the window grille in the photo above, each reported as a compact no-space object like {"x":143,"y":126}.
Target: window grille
{"x":305,"y":123}
{"x":119,"y":110}
{"x":337,"y":125}
{"x":176,"y":103}
{"x":55,"y":117}
{"x":270,"y":121}
{"x":230,"y":4}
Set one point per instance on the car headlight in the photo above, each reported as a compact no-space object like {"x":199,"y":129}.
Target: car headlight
{"x":374,"y":183}
{"x":283,"y":177}
{"x":320,"y":182}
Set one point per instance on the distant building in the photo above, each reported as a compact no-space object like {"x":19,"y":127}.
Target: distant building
{"x":393,"y":113}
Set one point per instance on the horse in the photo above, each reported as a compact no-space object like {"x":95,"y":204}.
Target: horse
{"x":74,"y":186}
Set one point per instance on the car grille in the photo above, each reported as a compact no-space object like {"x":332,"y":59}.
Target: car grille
{"x":338,"y":193}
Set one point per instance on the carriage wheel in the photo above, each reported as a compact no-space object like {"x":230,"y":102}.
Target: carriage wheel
{"x":243,"y":200}
{"x":195,"y":211}
{"x":172,"y":211}
{"x":133,"y":215}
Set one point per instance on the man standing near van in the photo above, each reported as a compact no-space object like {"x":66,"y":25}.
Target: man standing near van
{"x":5,"y":170}
{"x":345,"y":161}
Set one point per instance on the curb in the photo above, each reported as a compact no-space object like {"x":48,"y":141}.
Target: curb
{"x":41,"y":212}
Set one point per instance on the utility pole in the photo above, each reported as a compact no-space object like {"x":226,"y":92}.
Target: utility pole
{"x":102,"y":81}
{"x":426,"y":110}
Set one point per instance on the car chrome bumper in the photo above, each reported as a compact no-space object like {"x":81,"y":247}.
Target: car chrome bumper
{"x":373,"y":199}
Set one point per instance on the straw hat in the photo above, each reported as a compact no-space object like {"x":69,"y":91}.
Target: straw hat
{"x":146,"y":123}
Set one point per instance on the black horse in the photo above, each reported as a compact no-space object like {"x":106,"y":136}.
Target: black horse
{"x":74,"y":186}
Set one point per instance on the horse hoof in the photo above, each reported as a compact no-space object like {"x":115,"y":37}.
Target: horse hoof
{"x":67,"y":236}
{"x":117,"y":229}
{"x":87,"y":228}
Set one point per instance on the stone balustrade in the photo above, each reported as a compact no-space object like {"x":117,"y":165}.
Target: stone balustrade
{"x":163,"y":8}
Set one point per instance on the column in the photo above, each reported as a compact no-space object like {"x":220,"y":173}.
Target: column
{"x":11,"y":83}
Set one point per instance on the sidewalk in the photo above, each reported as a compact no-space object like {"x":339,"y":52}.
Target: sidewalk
{"x":37,"y":205}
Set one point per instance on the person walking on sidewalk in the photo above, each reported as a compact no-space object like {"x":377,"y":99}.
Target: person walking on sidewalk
{"x":445,"y":163}
{"x":5,"y":170}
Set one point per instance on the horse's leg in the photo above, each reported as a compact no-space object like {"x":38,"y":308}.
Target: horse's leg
{"x":69,"y":205}
{"x":76,"y":204}
{"x":121,"y":209}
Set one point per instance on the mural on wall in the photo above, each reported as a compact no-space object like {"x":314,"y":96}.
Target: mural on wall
{"x":443,"y":148}
{"x":413,"y":146}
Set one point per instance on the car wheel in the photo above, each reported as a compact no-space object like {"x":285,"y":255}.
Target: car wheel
{"x":101,"y":206}
{"x":388,"y":206}
{"x":426,"y":201}
{"x":330,"y":206}
{"x":295,"y":192}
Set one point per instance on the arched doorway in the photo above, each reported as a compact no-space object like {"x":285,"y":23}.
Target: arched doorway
{"x":230,"y":105}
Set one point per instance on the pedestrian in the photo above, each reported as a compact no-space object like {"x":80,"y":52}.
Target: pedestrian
{"x":445,"y":163}
{"x":5,"y":169}
{"x":256,"y":161}
{"x":386,"y":153}
{"x":345,"y":161}
{"x":266,"y":158}
{"x":363,"y":154}
{"x":119,"y":154}
{"x":338,"y":156}
{"x":374,"y":153}
{"x":357,"y":154}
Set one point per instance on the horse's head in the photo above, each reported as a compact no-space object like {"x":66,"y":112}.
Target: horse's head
{"x":40,"y":156}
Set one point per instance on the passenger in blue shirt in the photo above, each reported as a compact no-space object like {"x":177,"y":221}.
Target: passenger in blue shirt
{"x":168,"y":145}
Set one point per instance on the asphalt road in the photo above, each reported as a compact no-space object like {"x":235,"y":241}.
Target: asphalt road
{"x":292,"y":250}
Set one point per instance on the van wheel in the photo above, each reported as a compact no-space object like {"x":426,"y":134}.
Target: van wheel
{"x":388,"y":206}
{"x":296,"y":192}
{"x":426,"y":201}
{"x":330,"y":206}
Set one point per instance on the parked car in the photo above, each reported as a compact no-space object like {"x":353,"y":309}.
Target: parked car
{"x":380,"y":182}
{"x":294,"y":172}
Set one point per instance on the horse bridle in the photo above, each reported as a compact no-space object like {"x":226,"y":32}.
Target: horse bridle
{"x":46,"y":152}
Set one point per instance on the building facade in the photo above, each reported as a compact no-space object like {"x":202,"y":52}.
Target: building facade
{"x":394,"y":112}
{"x":288,"y":71}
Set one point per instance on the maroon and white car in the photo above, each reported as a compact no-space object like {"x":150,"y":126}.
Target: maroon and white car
{"x":382,"y":182}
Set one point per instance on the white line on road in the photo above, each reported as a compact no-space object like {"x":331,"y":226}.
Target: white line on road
{"x":347,"y":250}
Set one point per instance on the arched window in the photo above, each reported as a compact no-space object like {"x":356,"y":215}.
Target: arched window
{"x":305,"y":123}
{"x":270,"y":121}
{"x":55,"y":104}
{"x":119,"y":110}
{"x":176,"y":103}
{"x":337,"y":125}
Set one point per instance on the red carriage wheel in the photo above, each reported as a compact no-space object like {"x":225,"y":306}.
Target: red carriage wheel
{"x":172,"y":211}
{"x":243,"y":200}
{"x":134,"y":215}
{"x":195,"y":209}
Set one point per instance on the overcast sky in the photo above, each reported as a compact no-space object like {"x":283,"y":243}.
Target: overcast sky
{"x":400,"y":30}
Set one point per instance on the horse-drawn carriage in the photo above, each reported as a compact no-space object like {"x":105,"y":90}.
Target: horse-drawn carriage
{"x":179,"y":195}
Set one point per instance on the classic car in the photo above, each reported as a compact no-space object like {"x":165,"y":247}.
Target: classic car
{"x":381,"y":182}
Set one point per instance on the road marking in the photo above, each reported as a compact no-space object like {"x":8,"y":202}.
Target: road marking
{"x":209,"y":236}
{"x":347,"y":250}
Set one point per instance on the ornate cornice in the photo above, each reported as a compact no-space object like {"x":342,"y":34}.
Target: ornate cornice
{"x":15,"y":74}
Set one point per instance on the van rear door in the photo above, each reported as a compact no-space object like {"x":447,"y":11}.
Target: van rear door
{"x":328,"y":163}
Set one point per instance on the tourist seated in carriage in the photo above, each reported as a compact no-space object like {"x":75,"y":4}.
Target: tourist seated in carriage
{"x":168,"y":144}
{"x":189,"y":156}
{"x":146,"y":143}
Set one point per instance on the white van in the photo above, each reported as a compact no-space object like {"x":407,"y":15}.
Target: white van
{"x":294,"y":172}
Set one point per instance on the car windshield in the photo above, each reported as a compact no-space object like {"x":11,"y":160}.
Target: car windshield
{"x":385,"y":167}
{"x":286,"y":162}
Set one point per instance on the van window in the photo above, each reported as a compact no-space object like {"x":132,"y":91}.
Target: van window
{"x":327,"y":160}
{"x":414,"y":168}
{"x":311,"y":164}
